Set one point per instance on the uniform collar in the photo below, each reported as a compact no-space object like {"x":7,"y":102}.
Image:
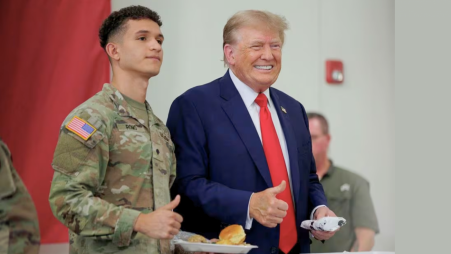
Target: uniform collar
{"x":122,"y":107}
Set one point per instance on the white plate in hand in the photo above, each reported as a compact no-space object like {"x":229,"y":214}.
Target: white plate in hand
{"x":211,"y":247}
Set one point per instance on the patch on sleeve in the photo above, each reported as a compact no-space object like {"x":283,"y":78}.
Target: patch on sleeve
{"x":80,"y":127}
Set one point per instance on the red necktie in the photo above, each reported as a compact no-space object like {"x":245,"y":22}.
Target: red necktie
{"x":278,"y":171}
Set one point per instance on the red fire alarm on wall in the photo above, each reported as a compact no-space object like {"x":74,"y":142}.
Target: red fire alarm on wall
{"x":334,"y":72}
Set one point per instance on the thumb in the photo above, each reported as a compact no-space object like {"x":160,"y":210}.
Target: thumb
{"x":173,"y":204}
{"x":278,"y":189}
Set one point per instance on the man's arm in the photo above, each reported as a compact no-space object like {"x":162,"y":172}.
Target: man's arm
{"x":79,"y":169}
{"x":364,"y":241}
{"x":7,"y":185}
{"x":317,"y":198}
{"x":76,"y":191}
{"x":188,"y":134}
{"x":363,"y":216}
{"x":18,"y":215}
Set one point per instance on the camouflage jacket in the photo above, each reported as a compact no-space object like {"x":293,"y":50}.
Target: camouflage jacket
{"x":19,"y":226}
{"x":109,"y":168}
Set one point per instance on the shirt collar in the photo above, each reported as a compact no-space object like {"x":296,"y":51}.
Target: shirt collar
{"x":331,"y":169}
{"x":247,"y":94}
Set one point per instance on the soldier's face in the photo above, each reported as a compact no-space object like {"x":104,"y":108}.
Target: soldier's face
{"x":141,"y":48}
{"x":320,"y":141}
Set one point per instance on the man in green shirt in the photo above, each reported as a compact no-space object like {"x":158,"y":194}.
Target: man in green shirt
{"x":347,"y":193}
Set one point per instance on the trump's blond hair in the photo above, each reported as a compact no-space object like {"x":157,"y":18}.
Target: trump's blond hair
{"x":252,"y":18}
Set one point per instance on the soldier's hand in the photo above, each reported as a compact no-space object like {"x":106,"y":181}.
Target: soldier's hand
{"x":266,"y":208}
{"x":162,"y":223}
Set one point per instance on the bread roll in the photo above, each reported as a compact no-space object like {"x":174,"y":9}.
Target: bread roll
{"x":225,"y":242}
{"x":234,"y":234}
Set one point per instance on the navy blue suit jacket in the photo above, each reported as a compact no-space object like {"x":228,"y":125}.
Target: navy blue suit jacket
{"x":220,"y":162}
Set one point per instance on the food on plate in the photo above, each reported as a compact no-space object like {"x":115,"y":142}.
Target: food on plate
{"x":197,"y":239}
{"x":232,"y":235}
{"x":225,"y":242}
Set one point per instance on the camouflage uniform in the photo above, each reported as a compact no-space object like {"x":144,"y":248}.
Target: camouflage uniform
{"x":102,"y":184}
{"x":19,"y":227}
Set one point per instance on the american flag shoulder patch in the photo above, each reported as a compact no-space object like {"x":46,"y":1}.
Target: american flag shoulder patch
{"x":81,"y":128}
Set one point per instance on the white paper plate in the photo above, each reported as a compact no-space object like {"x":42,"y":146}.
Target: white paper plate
{"x":364,"y":252}
{"x":217,"y":248}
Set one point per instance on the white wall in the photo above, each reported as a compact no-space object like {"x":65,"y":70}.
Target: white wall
{"x":361,"y":111}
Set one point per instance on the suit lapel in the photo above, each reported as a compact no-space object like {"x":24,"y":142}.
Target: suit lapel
{"x":238,"y":114}
{"x":284,"y":119}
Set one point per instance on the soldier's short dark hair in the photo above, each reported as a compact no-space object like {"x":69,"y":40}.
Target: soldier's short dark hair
{"x":115,"y":23}
{"x":322,"y":120}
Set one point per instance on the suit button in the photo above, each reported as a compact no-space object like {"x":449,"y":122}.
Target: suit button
{"x":273,"y":250}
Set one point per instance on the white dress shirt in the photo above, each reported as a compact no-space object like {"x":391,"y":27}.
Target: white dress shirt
{"x":249,"y":95}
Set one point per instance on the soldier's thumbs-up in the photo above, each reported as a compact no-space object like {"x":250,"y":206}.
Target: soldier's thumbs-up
{"x":173,"y":204}
{"x":162,"y":223}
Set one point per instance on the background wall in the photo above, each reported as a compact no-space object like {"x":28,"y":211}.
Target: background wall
{"x":360,"y":112}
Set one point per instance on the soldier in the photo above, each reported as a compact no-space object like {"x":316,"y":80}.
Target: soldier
{"x":19,"y":227}
{"x":114,"y":161}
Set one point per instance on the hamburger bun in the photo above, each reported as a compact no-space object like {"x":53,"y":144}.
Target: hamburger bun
{"x":234,"y":234}
{"x":225,"y":242}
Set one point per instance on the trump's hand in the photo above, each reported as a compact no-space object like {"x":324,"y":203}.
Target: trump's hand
{"x":266,"y":208}
{"x":320,"y":213}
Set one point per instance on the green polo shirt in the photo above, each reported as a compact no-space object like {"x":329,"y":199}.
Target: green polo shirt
{"x":348,"y":196}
